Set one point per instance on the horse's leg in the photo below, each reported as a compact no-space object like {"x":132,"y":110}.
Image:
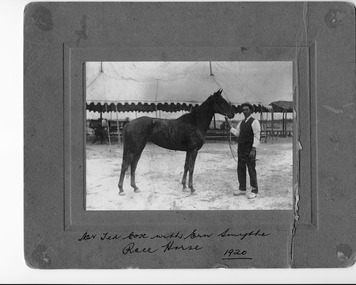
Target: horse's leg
{"x":133,"y":169}
{"x":126,"y":161}
{"x":135,"y":137}
{"x":184,"y":179}
{"x":191,"y":162}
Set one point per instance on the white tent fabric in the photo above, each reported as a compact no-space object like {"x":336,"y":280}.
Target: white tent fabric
{"x":188,"y":82}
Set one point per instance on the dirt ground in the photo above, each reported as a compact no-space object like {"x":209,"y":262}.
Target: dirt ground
{"x":159,"y":173}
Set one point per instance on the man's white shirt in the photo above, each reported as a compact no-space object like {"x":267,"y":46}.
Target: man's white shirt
{"x":256,"y":128}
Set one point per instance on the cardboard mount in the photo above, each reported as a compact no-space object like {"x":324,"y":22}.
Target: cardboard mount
{"x":318,"y":37}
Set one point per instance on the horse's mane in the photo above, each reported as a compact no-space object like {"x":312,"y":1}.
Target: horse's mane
{"x":189,"y":116}
{"x":193,"y":113}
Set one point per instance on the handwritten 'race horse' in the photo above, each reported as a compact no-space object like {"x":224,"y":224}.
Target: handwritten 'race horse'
{"x":186,"y":133}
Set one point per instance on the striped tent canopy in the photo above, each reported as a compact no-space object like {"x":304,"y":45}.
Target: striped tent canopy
{"x":282,"y":106}
{"x":176,"y":86}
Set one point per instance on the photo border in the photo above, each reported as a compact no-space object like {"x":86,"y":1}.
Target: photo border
{"x":76,"y":215}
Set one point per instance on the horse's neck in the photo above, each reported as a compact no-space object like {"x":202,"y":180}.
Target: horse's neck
{"x":204,"y":115}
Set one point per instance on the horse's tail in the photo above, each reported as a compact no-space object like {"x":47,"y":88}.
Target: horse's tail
{"x":125,"y":148}
{"x":136,"y":133}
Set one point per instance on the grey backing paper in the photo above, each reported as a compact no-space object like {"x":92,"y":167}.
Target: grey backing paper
{"x":318,"y":37}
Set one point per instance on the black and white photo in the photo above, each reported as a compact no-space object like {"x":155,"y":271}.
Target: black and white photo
{"x":160,"y":128}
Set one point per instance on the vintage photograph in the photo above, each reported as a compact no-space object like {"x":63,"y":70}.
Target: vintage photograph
{"x":205,"y":135}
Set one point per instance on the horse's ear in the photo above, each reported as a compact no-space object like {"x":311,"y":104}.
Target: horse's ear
{"x":218,"y":93}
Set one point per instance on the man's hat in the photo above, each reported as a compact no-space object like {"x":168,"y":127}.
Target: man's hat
{"x":248,"y":105}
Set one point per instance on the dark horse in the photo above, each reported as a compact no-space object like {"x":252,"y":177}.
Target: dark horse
{"x":187,"y":133}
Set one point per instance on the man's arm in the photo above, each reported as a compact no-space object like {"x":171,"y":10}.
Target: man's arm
{"x":234,"y":131}
{"x":256,"y":128}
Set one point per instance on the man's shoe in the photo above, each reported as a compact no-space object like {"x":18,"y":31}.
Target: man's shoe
{"x":239,"y":192}
{"x":251,"y":195}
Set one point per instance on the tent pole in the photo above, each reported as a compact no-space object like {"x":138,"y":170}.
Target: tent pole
{"x":106,"y":107}
{"x":266,"y":127}
{"x":288,"y":130}
{"x":118,"y":127}
{"x":261,"y":123}
{"x":211,"y":69}
{"x":272,"y":125}
{"x":214,"y":123}
{"x":282,"y":122}
{"x":286,"y":123}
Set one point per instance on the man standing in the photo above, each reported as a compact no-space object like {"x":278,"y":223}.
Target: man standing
{"x":248,"y":133}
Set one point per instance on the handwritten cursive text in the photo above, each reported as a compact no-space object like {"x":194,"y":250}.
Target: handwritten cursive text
{"x":171,"y":246}
{"x":227,"y":233}
{"x":132,"y":248}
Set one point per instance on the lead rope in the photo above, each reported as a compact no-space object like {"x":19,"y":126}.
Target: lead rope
{"x":233,"y":149}
{"x":232,"y":146}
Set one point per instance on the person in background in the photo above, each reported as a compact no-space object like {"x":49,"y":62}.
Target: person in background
{"x":248,"y":133}
{"x":104,"y":123}
{"x":100,"y":130}
{"x":103,"y":130}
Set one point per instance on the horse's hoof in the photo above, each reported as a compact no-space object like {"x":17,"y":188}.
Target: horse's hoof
{"x":193,"y":193}
{"x":137,"y":190}
{"x":121,"y":194}
{"x":185,"y":190}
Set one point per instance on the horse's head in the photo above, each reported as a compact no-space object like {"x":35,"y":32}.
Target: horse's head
{"x":221,"y":106}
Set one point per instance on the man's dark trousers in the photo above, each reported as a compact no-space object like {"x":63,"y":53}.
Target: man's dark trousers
{"x":244,"y":161}
{"x":245,"y":142}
